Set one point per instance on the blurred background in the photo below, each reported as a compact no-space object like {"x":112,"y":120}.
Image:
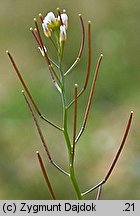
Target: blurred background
{"x":116,"y":34}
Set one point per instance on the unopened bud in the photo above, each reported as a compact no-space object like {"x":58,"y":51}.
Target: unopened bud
{"x":63,"y":35}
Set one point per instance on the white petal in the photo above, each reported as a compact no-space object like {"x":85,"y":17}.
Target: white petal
{"x":64,"y":18}
{"x":62,"y":33}
{"x":44,"y":26}
{"x":49,"y":18}
{"x":46,"y":30}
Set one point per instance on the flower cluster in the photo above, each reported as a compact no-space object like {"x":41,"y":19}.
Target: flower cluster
{"x":58,"y":25}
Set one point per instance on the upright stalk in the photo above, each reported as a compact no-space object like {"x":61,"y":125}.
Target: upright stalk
{"x":58,"y":26}
{"x":67,"y":139}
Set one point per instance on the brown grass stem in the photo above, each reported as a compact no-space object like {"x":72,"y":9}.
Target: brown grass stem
{"x":46,"y":176}
{"x":115,"y":159}
{"x":89,"y":57}
{"x":75,"y":120}
{"x":28,"y":92}
{"x":36,"y":37}
{"x":83,"y":37}
{"x":41,"y":136}
{"x":37,"y":126}
{"x":88,"y":65}
{"x":41,"y":17}
{"x":90,"y":98}
{"x":34,"y":33}
{"x":81,"y":47}
{"x":51,"y":69}
{"x":59,"y":14}
{"x":41,"y":42}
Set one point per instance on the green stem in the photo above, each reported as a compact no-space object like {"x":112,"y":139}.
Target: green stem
{"x":71,"y":162}
{"x":67,"y":139}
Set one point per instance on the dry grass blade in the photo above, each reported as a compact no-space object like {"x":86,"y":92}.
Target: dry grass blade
{"x":37,"y":126}
{"x":115,"y":158}
{"x":90,"y":98}
{"x":75,"y":119}
{"x":42,"y":137}
{"x":92,"y":90}
{"x":22,"y":81}
{"x":81,"y":47}
{"x":36,"y":38}
{"x":45,"y":175}
{"x":120,"y":148}
{"x":59,"y":14}
{"x":41,"y":42}
{"x":51,"y":69}
{"x":83,"y":37}
{"x":88,"y":65}
{"x":89,"y":57}
{"x":28,"y":92}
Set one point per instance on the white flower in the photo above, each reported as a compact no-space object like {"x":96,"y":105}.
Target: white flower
{"x":49,"y":24}
{"x":49,"y":18}
{"x":46,"y":30}
{"x":63,"y":33}
{"x":57,"y":25}
{"x":64,"y":18}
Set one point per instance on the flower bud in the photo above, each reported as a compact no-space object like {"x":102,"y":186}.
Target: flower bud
{"x":64,"y":18}
{"x":63,"y":33}
{"x":46,"y":30}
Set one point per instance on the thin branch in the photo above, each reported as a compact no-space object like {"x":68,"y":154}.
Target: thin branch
{"x":88,"y":65}
{"x":89,"y":57}
{"x":99,"y":192}
{"x":90,"y":98}
{"x":28,"y":92}
{"x":36,"y":38}
{"x":120,"y":148}
{"x":37,"y":126}
{"x":52,"y":41}
{"x":41,"y":136}
{"x":83,"y":37}
{"x":59,"y":14}
{"x":41,"y":42}
{"x":22,"y":81}
{"x":115,"y":158}
{"x":35,"y":34}
{"x":75,"y":120}
{"x":55,"y":64}
{"x":51,"y":69}
{"x":81,"y":47}
{"x":45,"y":175}
{"x":40,"y":45}
{"x":41,"y":18}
